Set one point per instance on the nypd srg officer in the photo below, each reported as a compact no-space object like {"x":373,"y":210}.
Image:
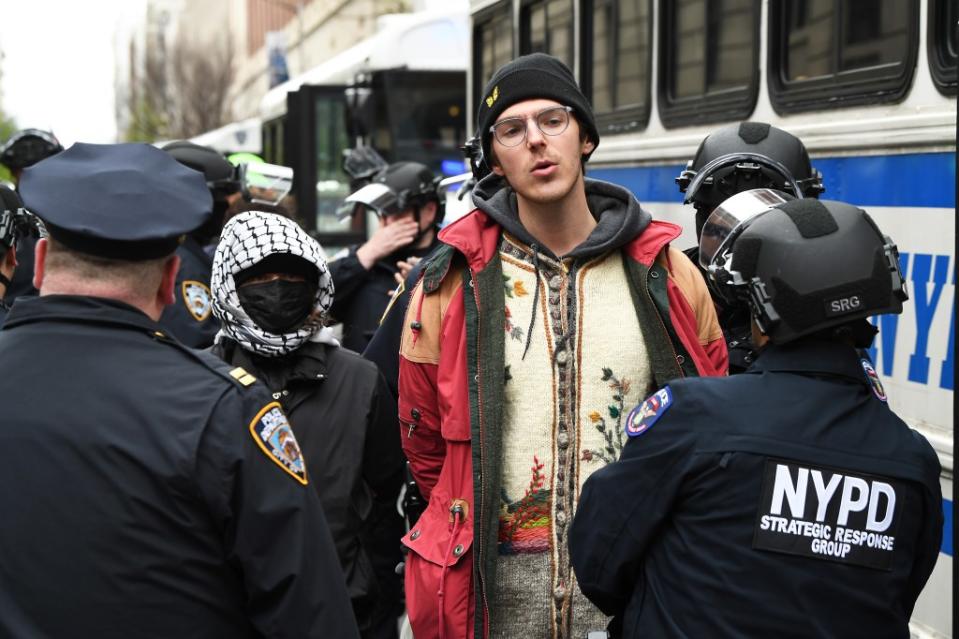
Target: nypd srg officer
{"x":788,"y":501}
{"x":148,"y":490}
{"x":733,"y":159}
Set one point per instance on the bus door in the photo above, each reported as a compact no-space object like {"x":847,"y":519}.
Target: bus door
{"x":314,"y":139}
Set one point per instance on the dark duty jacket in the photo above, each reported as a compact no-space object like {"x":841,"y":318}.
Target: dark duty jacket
{"x":343,"y":416}
{"x":788,"y":501}
{"x":138,"y":499}
{"x":189,"y":318}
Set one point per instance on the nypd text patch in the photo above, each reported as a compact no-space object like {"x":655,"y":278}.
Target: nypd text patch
{"x":828,"y":514}
{"x":642,"y":418}
{"x":272,"y":432}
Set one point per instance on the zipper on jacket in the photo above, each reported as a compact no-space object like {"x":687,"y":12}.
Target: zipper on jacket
{"x":482,"y":508}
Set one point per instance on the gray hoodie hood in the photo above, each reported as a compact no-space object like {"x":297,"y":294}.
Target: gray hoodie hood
{"x":618,"y":215}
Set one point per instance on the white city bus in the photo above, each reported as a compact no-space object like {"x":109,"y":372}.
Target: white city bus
{"x":401,"y":91}
{"x":868,"y":85}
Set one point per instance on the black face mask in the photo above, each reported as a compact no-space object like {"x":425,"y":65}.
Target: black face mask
{"x":278,"y":306}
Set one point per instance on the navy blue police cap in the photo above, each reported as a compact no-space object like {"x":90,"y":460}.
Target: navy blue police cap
{"x":120,"y":201}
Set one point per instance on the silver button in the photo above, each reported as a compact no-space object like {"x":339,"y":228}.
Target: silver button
{"x":559,"y":593}
{"x":458,"y":550}
{"x":415,"y":535}
{"x":561,"y":358}
{"x":555,"y":282}
{"x":562,"y":440}
{"x":654,"y":274}
{"x":680,"y":359}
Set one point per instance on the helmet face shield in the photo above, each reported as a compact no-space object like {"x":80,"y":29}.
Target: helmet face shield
{"x":376,"y":196}
{"x":731,"y":218}
{"x":723,"y":226}
{"x":730,"y":174}
{"x":264,"y":183}
{"x":16,"y":224}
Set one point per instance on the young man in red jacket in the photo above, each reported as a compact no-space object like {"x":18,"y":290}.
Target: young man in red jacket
{"x":552,"y":307}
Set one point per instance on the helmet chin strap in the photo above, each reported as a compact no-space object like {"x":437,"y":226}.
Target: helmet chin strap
{"x":420,"y":231}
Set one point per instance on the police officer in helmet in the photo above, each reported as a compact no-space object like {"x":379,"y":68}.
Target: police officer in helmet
{"x":16,"y":224}
{"x":189,"y":318}
{"x":149,"y":489}
{"x":790,"y":500}
{"x":405,"y":198}
{"x":21,"y":150}
{"x":737,"y":158}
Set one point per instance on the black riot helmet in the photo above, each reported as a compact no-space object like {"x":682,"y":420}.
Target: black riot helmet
{"x":221,"y":178}
{"x":802,"y":266}
{"x":395,"y":188}
{"x":745,"y":156}
{"x":27,"y":147}
{"x":220,"y":175}
{"x":15,"y":223}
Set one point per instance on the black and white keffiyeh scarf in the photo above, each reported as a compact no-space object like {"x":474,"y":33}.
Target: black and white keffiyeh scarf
{"x":246,"y":240}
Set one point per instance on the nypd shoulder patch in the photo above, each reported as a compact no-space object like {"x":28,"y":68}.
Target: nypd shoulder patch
{"x":873,"y":378}
{"x":197,"y":299}
{"x":642,"y":418}
{"x":272,"y":433}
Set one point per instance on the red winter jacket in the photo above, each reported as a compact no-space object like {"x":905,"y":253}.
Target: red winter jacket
{"x":450,"y":399}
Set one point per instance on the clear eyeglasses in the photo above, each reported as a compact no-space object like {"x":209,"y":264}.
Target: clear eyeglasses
{"x":551,"y":121}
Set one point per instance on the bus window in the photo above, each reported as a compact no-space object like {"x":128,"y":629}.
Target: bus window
{"x":426,"y":116}
{"x":840,"y":52}
{"x":709,"y":53}
{"x":546,"y":26}
{"x":943,"y":46}
{"x":332,"y":183}
{"x":616,"y":38}
{"x":492,"y":43}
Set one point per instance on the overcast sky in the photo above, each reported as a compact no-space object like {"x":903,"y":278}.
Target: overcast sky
{"x":58,"y":65}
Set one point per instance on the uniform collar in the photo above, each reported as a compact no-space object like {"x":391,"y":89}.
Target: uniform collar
{"x":79,"y":308}
{"x":810,"y":356}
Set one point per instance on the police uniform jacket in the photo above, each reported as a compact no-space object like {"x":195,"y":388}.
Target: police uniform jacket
{"x":189,"y":318}
{"x":344,"y":419}
{"x":139,"y":498}
{"x":362,"y":296}
{"x":788,"y":501}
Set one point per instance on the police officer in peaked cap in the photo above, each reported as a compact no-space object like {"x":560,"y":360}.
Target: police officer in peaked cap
{"x":790,"y":500}
{"x":148,"y":489}
{"x":730,"y":160}
{"x":189,"y":318}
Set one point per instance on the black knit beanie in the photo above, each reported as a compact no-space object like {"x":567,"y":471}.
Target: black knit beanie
{"x":529,"y":77}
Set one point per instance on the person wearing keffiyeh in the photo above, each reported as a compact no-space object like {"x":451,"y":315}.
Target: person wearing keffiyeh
{"x":271,"y":292}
